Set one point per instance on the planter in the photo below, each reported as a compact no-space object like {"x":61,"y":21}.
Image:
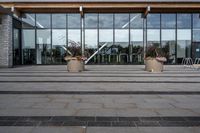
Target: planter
{"x":75,"y":65}
{"x":153,"y":65}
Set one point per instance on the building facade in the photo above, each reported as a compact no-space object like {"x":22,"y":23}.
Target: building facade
{"x":108,"y":32}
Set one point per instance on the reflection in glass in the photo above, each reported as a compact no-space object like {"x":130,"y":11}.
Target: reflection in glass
{"x":183,"y":43}
{"x":91,"y":20}
{"x":91,"y":44}
{"x":168,"y":21}
{"x":136,"y":21}
{"x":28,"y":20}
{"x":58,"y":20}
{"x":43,"y":47}
{"x":153,"y":21}
{"x":184,"y":21}
{"x":121,"y":21}
{"x":168,"y":44}
{"x":16,"y":48}
{"x":196,"y":37}
{"x":136,"y":47}
{"x":74,"y":21}
{"x":106,"y":21}
{"x":43,"y":21}
{"x":105,"y":44}
{"x":28,"y":46}
{"x":153,"y":37}
{"x":58,"y":42}
{"x":121,"y":47}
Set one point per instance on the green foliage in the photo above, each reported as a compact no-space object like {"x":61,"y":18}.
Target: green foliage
{"x":154,"y":52}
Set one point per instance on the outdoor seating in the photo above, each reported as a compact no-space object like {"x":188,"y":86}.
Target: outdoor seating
{"x":189,"y":63}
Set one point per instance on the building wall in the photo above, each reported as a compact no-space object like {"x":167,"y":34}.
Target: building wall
{"x":6,"y":41}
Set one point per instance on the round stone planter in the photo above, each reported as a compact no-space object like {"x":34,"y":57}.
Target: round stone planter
{"x":153,"y":65}
{"x":75,"y":65}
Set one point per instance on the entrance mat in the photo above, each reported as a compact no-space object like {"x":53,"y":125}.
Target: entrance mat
{"x":98,"y":121}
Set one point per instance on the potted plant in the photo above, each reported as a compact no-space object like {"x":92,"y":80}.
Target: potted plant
{"x":75,"y":60}
{"x":154,"y":59}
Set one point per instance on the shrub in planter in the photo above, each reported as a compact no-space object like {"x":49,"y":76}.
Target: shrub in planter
{"x":75,"y":62}
{"x":154,"y":59}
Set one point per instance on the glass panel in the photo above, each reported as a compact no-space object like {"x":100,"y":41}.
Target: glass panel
{"x":74,"y":21}
{"x":168,"y":44}
{"x":106,"y":21}
{"x":43,"y":21}
{"x":74,"y":35}
{"x":43,"y":46}
{"x":58,"y":44}
{"x":91,"y":44}
{"x":136,"y":47}
{"x":153,"y":21}
{"x":105,"y":44}
{"x":91,"y":20}
{"x":28,"y":46}
{"x":184,"y":21}
{"x":59,"y":21}
{"x":183,"y":44}
{"x":16,"y":49}
{"x":196,"y":36}
{"x":136,"y":21}
{"x":168,"y":21}
{"x":153,"y":37}
{"x":28,"y":20}
{"x":121,"y":21}
{"x":121,"y":48}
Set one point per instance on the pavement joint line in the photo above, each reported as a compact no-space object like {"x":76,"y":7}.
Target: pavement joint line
{"x":100,"y":121}
{"x":103,"y":92}
{"x":48,"y":81}
{"x":116,"y":76}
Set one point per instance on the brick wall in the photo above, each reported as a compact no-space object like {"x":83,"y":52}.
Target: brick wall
{"x":6,"y":41}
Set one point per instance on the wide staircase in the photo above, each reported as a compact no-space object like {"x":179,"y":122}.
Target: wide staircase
{"x":102,"y":99}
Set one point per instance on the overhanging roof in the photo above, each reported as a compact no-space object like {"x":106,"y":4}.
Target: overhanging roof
{"x":99,"y":1}
{"x":4,"y":10}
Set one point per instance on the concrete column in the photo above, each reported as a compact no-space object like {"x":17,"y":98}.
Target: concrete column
{"x":6,"y":52}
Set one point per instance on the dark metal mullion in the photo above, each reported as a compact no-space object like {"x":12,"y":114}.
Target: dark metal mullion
{"x":51,"y":37}
{"x":35,"y":40}
{"x":113,"y":31}
{"x":176,"y":32}
{"x":98,"y":55}
{"x":191,"y":42}
{"x":160,"y":32}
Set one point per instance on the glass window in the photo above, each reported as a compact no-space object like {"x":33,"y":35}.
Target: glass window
{"x":121,"y":21}
{"x":91,"y":20}
{"x":168,"y":44}
{"x":168,"y":21}
{"x":196,"y":36}
{"x":74,"y":21}
{"x":184,"y":21}
{"x":153,"y":37}
{"x":105,"y":44}
{"x":106,"y":21}
{"x":28,"y":46}
{"x":136,"y":47}
{"x":59,"y":20}
{"x":58,"y":46}
{"x":43,"y":46}
{"x":153,"y":21}
{"x":183,"y":43}
{"x":196,"y":21}
{"x":43,"y":21}
{"x":91,"y":44}
{"x":28,"y":20}
{"x":136,"y":21}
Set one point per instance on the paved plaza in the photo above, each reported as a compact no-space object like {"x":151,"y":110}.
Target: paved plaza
{"x":102,"y":99}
